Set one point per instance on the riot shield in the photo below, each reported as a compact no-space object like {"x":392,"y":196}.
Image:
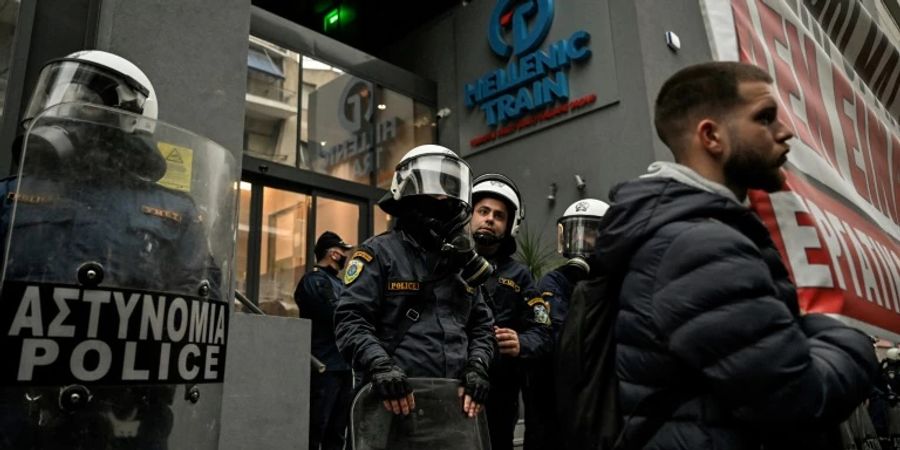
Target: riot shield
{"x":437,"y":422}
{"x":114,"y":306}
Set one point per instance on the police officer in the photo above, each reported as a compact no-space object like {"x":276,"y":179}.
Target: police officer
{"x":410,"y":307}
{"x":577,"y":233}
{"x":522,"y":317}
{"x":89,"y":213}
{"x":331,"y":391}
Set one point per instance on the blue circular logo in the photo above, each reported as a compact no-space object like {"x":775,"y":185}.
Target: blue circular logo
{"x":514,"y":20}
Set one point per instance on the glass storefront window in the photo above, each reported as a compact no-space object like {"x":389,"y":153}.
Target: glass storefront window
{"x":243,"y":239}
{"x":415,"y":125}
{"x":9,"y":13}
{"x":282,"y":259}
{"x":354,"y":129}
{"x":270,"y":118}
{"x":339,"y":217}
{"x":382,"y":220}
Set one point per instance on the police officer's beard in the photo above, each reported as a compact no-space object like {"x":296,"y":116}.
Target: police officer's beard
{"x":341,"y":263}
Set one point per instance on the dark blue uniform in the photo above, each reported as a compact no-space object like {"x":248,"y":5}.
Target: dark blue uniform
{"x":392,"y":284}
{"x":541,"y":425}
{"x":516,"y":304}
{"x":145,"y":236}
{"x":330,"y":392}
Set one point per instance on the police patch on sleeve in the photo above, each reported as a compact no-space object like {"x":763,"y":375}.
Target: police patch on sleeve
{"x":541,"y":310}
{"x":354,"y":268}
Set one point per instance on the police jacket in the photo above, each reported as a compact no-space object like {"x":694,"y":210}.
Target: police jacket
{"x":316,"y":296}
{"x":557,"y":289}
{"x":402,"y":301}
{"x":513,"y":298}
{"x":144,"y":235}
{"x":707,"y":308}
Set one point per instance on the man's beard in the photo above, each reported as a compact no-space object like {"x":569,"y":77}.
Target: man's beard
{"x":749,"y":169}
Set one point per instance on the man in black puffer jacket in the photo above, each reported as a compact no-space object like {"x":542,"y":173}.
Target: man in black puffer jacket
{"x":707,"y":310}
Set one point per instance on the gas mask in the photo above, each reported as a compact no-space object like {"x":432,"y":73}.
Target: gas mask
{"x":90,"y":148}
{"x":442,"y":225}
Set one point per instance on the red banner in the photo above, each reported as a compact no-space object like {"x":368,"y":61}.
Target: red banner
{"x":837,"y":227}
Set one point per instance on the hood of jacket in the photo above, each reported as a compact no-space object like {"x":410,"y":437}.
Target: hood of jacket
{"x":668,"y":193}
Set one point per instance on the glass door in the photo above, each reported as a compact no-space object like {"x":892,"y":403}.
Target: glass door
{"x":277,"y":233}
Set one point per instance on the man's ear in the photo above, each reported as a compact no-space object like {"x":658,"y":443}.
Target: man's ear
{"x":712,"y":137}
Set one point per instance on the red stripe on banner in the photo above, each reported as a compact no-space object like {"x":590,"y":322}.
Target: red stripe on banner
{"x":840,"y":262}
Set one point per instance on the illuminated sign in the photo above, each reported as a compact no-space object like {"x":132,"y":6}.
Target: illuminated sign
{"x":534,"y":78}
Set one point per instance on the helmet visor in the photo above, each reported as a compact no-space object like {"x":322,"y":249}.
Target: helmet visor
{"x":69,"y":81}
{"x":577,"y":236}
{"x":435,"y":175}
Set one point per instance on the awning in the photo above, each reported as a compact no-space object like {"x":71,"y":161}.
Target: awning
{"x":260,"y":61}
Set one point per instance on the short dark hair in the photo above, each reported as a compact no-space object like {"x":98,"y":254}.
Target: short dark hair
{"x":709,"y":89}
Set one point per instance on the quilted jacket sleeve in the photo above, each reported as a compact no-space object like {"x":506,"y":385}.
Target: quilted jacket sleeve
{"x":717,"y":309}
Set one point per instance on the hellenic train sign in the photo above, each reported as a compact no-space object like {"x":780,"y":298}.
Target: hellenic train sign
{"x":541,"y":47}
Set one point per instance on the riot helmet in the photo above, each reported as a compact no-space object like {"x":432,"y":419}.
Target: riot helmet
{"x":98,"y":85}
{"x":432,"y":170}
{"x":431,"y":183}
{"x":500,"y":187}
{"x":579,"y":227}
{"x":95,"y":77}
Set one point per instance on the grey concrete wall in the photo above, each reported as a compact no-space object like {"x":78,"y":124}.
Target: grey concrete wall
{"x":605,"y":146}
{"x":266,"y":401}
{"x":195,"y":52}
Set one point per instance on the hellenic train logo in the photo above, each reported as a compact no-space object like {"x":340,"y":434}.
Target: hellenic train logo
{"x":534,"y":78}
{"x":356,"y":105}
{"x":515,"y":18}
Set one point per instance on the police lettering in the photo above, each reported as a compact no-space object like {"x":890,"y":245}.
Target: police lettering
{"x":403,"y":286}
{"x":510,"y":283}
{"x":67,"y":334}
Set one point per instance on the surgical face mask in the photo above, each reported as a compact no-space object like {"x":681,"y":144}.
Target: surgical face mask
{"x":342,"y":261}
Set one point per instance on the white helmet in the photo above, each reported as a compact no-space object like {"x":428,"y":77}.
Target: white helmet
{"x":893,"y":354}
{"x":578,"y":228}
{"x":497,"y":185}
{"x":95,"y":77}
{"x":432,"y":170}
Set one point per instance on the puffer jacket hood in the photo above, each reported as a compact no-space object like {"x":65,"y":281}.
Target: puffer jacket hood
{"x":641,"y":206}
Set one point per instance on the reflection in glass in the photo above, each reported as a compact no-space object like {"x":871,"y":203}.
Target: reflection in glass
{"x":243,"y":235}
{"x":270,"y":119}
{"x":9,"y":13}
{"x":339,"y":217}
{"x":382,"y":220}
{"x":354,"y":129}
{"x":282,"y":259}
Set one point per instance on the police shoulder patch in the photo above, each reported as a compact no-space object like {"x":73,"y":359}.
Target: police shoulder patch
{"x":351,"y":273}
{"x":362,"y":254}
{"x":541,"y":310}
{"x":508,"y":282}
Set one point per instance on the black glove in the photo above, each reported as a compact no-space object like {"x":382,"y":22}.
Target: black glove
{"x":476,"y":382}
{"x":388,"y":380}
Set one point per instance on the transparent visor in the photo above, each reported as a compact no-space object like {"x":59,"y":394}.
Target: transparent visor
{"x":435,"y":175}
{"x":72,"y":81}
{"x":577,"y":236}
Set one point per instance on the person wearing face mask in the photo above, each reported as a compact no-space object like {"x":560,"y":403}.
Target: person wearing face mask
{"x":522,"y":316}
{"x":330,"y":391}
{"x":410,"y":306}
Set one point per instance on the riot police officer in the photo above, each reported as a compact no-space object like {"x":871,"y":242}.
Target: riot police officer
{"x":577,"y":232}
{"x":522,"y":317}
{"x":331,"y":391}
{"x":98,"y":241}
{"x":410,"y":307}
